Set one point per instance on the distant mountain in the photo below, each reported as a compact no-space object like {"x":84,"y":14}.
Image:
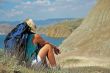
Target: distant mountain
{"x":51,"y":21}
{"x":4,"y":29}
{"x":9,"y":22}
{"x":61,"y":29}
{"x":39,"y":23}
{"x":6,"y":26}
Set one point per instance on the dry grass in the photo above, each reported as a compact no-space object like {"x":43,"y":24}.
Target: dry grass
{"x":68,"y":65}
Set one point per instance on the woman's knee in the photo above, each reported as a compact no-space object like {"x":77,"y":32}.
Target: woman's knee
{"x":48,"y":46}
{"x":44,"y":50}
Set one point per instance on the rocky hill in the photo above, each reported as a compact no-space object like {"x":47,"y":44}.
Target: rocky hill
{"x":62,"y":29}
{"x":92,"y":38}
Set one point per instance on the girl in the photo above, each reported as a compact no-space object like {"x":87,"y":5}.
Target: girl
{"x":36,"y":49}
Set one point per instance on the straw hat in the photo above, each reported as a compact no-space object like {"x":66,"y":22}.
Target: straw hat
{"x":31,"y":24}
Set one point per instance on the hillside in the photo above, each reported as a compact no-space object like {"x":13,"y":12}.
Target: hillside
{"x":5,"y":28}
{"x":92,"y":38}
{"x":39,"y":22}
{"x":62,"y":29}
{"x":56,"y":27}
{"x":46,"y":22}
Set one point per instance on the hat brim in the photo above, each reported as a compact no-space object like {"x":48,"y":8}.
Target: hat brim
{"x":31,"y":24}
{"x":33,"y":30}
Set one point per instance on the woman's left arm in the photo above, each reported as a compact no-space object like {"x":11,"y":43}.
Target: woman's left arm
{"x":42,"y":42}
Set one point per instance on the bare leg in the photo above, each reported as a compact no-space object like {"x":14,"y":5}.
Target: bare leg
{"x":47,"y":50}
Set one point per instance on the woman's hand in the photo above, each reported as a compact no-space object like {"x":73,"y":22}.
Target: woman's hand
{"x":56,"y":50}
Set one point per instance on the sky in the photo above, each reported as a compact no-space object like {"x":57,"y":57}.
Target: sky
{"x":14,"y":10}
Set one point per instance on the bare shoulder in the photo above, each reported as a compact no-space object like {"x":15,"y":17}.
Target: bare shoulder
{"x":37,"y":36}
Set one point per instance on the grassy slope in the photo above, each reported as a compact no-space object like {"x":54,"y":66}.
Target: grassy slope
{"x":62,"y":29}
{"x":9,"y":65}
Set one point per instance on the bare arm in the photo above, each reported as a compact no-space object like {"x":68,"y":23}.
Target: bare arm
{"x":42,"y":42}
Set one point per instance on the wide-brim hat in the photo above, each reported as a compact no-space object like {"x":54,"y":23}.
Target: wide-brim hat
{"x":31,"y":24}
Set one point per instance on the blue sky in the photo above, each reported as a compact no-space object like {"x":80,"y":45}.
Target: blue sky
{"x":13,"y":10}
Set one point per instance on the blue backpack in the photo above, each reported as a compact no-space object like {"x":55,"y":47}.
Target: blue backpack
{"x":15,"y":41}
